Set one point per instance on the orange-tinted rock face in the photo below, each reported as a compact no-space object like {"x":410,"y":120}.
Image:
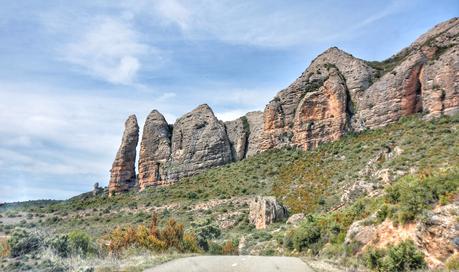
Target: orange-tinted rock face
{"x":412,"y":92}
{"x":123,"y":176}
{"x":440,"y":86}
{"x":321,"y":116}
{"x":155,"y":150}
{"x":316,"y":108}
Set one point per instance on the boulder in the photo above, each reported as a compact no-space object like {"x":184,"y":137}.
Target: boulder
{"x":123,"y":176}
{"x":155,"y":150}
{"x":295,"y":219}
{"x":266,"y":210}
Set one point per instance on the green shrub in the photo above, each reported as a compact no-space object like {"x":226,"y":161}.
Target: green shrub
{"x":411,"y":195}
{"x":80,"y":243}
{"x":22,"y":242}
{"x":307,"y":236}
{"x":207,"y":233}
{"x":60,"y":246}
{"x":452,"y":264}
{"x":401,"y":257}
{"x":215,"y":248}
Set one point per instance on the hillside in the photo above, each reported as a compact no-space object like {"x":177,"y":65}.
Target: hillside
{"x":365,"y":167}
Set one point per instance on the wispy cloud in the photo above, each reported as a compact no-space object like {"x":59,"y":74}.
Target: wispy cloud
{"x":109,"y":49}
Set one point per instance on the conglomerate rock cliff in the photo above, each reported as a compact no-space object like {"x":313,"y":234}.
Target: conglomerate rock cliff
{"x":199,"y":141}
{"x":155,"y":149}
{"x":123,"y":175}
{"x":336,"y":94}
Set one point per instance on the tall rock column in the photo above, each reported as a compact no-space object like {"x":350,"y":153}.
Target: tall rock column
{"x":155,"y":150}
{"x":123,"y":175}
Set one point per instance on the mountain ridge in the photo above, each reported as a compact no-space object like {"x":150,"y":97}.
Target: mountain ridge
{"x":337,"y":94}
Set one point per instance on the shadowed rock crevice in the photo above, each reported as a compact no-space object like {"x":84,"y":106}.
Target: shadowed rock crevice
{"x":412,"y":92}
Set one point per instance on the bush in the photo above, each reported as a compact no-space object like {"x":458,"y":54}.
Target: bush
{"x":60,"y":246}
{"x":402,"y":257}
{"x":172,"y":236}
{"x":452,"y":264}
{"x":412,"y":195}
{"x":22,"y":242}
{"x":4,"y":247}
{"x":215,"y":248}
{"x":80,"y":243}
{"x":207,"y":233}
{"x":229,"y":248}
{"x":305,"y":237}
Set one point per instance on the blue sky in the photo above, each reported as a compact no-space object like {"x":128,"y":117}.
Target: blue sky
{"x":72,"y":71}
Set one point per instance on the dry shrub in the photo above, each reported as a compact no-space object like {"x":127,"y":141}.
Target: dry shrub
{"x":229,"y":248}
{"x":172,"y":236}
{"x":4,"y":247}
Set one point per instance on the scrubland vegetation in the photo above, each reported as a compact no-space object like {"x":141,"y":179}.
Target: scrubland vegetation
{"x":208,"y":213}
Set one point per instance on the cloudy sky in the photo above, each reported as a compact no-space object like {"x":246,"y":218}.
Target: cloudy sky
{"x":72,"y":71}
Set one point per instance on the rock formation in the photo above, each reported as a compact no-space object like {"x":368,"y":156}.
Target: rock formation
{"x":123,"y":175}
{"x":317,"y":107}
{"x":255,"y":122}
{"x":434,"y":236}
{"x":266,"y":210}
{"x":199,"y":141}
{"x":336,"y":94}
{"x":238,"y":133}
{"x":155,"y":149}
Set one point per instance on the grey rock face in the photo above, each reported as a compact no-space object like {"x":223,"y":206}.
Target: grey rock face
{"x":424,"y":80}
{"x":123,"y":175}
{"x":266,"y":210}
{"x":255,"y":122}
{"x":199,"y":141}
{"x":155,"y":150}
{"x":238,"y":132}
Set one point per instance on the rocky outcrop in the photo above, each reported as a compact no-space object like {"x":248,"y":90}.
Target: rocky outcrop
{"x":155,"y":149}
{"x":423,"y":80}
{"x":123,"y":175}
{"x":199,"y":141}
{"x":266,"y":210}
{"x":434,"y":235}
{"x":318,"y":106}
{"x":238,"y":132}
{"x":245,"y":135}
{"x":337,"y":94}
{"x":255,"y":123}
{"x":437,"y":234}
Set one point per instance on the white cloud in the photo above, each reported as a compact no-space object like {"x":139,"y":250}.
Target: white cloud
{"x":109,"y":49}
{"x":173,"y":11}
{"x":230,"y":115}
{"x":266,"y":24}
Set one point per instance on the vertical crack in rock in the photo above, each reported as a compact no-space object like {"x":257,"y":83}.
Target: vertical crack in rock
{"x":412,"y":92}
{"x":123,"y":175}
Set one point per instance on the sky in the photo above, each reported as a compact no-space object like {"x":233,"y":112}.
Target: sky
{"x":72,"y":71}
